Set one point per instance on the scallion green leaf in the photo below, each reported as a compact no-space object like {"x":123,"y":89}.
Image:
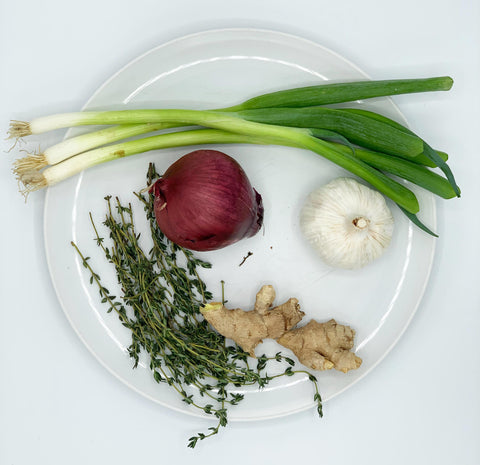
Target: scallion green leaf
{"x":330,"y":93}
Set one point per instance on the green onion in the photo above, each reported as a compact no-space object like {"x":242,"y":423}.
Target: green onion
{"x":84,"y":142}
{"x":405,"y":169}
{"x":435,"y":158}
{"x":416,"y":221}
{"x":421,"y":159}
{"x":358,"y":129}
{"x":300,"y":97}
{"x":74,"y":165}
{"x":395,"y":191}
{"x":79,"y":144}
{"x":327,"y":94}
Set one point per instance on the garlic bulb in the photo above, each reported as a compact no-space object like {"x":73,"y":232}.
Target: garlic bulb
{"x":347,"y":223}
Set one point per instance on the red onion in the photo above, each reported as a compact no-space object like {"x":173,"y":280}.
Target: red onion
{"x":204,"y":201}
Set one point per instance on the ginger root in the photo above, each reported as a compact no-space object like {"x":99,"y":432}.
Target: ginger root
{"x":320,"y":346}
{"x":248,"y":329}
{"x":323,"y":346}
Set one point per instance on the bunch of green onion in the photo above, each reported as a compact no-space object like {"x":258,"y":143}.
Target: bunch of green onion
{"x":364,"y":143}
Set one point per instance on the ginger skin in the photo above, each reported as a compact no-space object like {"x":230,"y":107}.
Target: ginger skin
{"x":323,"y":346}
{"x":320,"y":346}
{"x":248,"y":329}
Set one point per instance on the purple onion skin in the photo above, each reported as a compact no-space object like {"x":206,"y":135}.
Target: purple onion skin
{"x":204,"y":201}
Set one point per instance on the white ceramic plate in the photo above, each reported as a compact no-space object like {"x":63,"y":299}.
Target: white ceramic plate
{"x":220,"y":68}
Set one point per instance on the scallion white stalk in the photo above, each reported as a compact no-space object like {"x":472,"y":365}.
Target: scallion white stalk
{"x":79,"y":144}
{"x":75,"y":145}
{"x":83,"y":143}
{"x":74,"y":165}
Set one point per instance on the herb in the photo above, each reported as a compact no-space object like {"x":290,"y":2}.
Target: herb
{"x":161,"y":295}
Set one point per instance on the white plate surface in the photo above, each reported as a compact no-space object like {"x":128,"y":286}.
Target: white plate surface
{"x":220,"y":68}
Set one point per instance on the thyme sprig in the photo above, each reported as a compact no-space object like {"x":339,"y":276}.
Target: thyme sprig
{"x":162,"y":293}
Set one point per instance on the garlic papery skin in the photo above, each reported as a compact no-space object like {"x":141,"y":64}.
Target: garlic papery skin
{"x":347,"y":223}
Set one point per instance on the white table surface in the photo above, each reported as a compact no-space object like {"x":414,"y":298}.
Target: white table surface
{"x":421,"y":405}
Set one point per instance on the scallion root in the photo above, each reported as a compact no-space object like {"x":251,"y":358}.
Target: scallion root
{"x":32,"y":162}
{"x":19,"y":129}
{"x":32,"y":181}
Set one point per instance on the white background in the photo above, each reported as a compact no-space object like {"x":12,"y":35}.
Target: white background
{"x":420,"y":405}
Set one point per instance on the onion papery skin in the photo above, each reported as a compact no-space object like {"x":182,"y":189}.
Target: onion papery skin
{"x":204,"y":202}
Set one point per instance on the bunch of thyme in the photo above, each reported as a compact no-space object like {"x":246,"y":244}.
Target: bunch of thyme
{"x":161,"y":296}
